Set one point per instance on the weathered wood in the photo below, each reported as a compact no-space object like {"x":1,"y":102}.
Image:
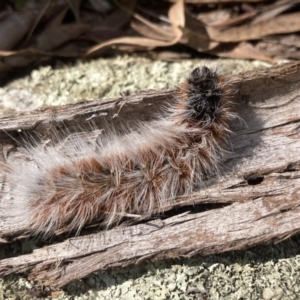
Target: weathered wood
{"x":260,"y":180}
{"x":235,"y":227}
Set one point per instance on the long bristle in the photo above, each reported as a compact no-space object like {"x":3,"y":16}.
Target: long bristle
{"x":130,"y":174}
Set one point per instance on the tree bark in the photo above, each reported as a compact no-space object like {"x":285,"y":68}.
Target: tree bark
{"x":255,"y":198}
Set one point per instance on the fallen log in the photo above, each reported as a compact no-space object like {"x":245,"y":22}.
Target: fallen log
{"x":257,"y":193}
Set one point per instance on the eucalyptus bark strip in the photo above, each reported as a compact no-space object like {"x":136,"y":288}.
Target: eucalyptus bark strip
{"x":259,"y":183}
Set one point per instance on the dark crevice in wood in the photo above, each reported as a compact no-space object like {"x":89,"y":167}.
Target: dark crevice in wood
{"x":254,"y":178}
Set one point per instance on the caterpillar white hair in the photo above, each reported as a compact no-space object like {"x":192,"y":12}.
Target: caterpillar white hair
{"x":130,"y":174}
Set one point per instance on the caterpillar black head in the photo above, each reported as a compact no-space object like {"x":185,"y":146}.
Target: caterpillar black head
{"x":204,"y":94}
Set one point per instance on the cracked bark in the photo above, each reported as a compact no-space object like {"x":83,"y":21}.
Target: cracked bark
{"x":256,"y":195}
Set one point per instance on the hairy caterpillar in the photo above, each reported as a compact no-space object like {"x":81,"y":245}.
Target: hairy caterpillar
{"x":129,"y":174}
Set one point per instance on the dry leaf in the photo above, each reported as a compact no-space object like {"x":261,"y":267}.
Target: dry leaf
{"x":282,"y":24}
{"x":176,"y":16}
{"x":205,"y":25}
{"x":281,"y":46}
{"x":121,"y":16}
{"x":273,"y":10}
{"x":151,"y":30}
{"x":14,"y":27}
{"x":53,"y":37}
{"x":196,"y":36}
{"x":242,"y":50}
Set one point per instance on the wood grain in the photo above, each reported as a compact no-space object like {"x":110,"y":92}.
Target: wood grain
{"x":257,"y":192}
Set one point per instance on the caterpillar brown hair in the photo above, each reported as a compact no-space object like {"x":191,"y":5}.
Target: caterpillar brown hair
{"x":130,"y":174}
